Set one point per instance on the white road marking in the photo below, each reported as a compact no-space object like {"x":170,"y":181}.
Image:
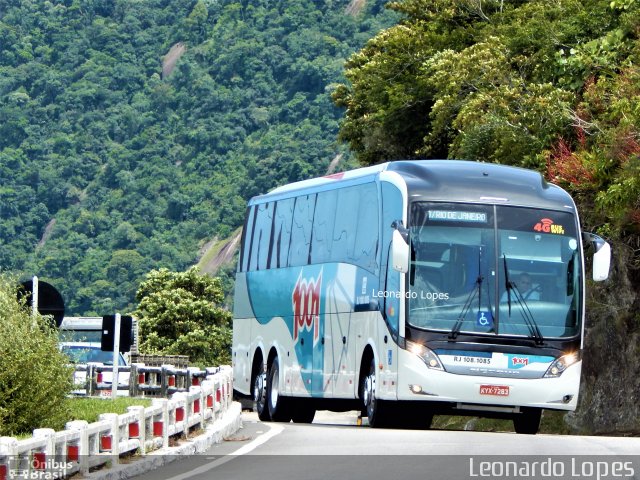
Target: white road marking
{"x":274,"y":429}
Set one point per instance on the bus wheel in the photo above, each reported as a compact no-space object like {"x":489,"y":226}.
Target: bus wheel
{"x":528,"y":422}
{"x":376,"y":409}
{"x":278,"y":405}
{"x":412,"y":415}
{"x":303,"y":411}
{"x":260,"y":396}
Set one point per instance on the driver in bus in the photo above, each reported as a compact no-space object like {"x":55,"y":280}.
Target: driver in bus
{"x":527,"y":289}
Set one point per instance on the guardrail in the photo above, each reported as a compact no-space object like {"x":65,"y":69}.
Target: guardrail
{"x":146,"y":381}
{"x":83,"y":446}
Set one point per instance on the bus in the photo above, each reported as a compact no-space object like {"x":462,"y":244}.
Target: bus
{"x":412,"y":289}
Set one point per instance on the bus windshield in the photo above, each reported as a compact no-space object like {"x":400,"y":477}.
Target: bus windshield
{"x":494,"y":270}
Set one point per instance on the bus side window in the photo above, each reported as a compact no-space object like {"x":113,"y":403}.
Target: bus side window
{"x":281,"y":233}
{"x":323,"y":225}
{"x":261,"y":236}
{"x":366,"y":241}
{"x":342,"y":246}
{"x":301,"y":230}
{"x":247,"y":236}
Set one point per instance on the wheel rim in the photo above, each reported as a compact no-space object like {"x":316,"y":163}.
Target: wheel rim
{"x":259,"y":389}
{"x":369,"y":392}
{"x":275,"y":389}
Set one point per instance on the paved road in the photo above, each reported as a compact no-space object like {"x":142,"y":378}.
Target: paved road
{"x":334,"y":447}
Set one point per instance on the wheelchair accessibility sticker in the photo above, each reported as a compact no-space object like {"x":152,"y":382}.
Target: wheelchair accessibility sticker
{"x":484,"y":319}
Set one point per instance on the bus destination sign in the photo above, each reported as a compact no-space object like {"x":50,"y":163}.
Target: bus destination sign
{"x":457,"y":216}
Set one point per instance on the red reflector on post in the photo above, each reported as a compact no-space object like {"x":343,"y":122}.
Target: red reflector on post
{"x":99,"y":377}
{"x":172,"y":380}
{"x":179,"y":414}
{"x":209,"y":401}
{"x":141,"y":379}
{"x":218,"y":395}
{"x":39,"y":461}
{"x":134,"y":430}
{"x":3,"y":472}
{"x":195,"y":381}
{"x":105,"y":443}
{"x":196,"y":406}
{"x":157,"y":429}
{"x":73,"y":453}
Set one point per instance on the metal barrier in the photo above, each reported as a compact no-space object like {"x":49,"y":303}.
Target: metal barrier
{"x":82,"y":446}
{"x":165,"y":380}
{"x":144,"y":381}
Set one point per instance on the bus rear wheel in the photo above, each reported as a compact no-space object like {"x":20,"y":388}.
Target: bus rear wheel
{"x":260,"y":395}
{"x":528,"y":422}
{"x":278,"y":405}
{"x":302,"y":411}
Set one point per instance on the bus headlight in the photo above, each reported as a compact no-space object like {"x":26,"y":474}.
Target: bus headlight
{"x":561,"y":364}
{"x":430,"y":359}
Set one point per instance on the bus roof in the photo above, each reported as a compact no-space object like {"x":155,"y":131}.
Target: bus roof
{"x":476,"y":182}
{"x":446,"y":180}
{"x":358,"y":175}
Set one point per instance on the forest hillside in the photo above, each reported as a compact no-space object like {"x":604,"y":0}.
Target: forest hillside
{"x":133,"y":133}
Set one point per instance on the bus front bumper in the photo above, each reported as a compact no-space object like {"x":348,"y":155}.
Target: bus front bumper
{"x":417,"y":382}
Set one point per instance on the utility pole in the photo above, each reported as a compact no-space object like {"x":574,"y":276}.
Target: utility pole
{"x":34,"y":299}
{"x":116,"y":356}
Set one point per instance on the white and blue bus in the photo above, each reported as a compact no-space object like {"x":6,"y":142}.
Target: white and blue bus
{"x":413,"y":288}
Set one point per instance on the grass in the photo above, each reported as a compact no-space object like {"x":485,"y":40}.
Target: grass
{"x":89,"y":409}
{"x":552,"y":423}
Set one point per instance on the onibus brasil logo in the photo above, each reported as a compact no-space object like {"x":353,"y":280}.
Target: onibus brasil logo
{"x":306,"y":306}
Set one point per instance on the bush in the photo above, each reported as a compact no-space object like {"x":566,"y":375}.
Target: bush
{"x":34,"y":375}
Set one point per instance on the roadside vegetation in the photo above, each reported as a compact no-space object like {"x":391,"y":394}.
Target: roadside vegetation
{"x":90,"y":409}
{"x":35,"y":376}
{"x":552,"y":423}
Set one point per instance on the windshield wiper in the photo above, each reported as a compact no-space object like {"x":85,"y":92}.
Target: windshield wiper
{"x":467,"y":304}
{"x":507,"y":283}
{"x":530,"y":321}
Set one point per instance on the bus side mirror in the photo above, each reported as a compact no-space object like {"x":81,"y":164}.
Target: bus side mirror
{"x":601,"y":256}
{"x":399,"y":253}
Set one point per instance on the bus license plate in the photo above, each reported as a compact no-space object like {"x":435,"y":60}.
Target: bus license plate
{"x":496,"y":390}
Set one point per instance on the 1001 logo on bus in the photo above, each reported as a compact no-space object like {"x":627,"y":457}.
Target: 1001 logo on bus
{"x":306,"y":306}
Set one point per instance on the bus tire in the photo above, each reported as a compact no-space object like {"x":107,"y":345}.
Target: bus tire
{"x":377,"y":410}
{"x":303,"y":411}
{"x":412,"y":415}
{"x":528,"y":422}
{"x":260,"y":395}
{"x":277,"y":404}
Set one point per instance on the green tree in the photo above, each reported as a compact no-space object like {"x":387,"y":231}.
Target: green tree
{"x":180,"y":313}
{"x":35,"y":376}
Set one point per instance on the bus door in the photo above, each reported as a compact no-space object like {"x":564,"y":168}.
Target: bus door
{"x":392,"y":298}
